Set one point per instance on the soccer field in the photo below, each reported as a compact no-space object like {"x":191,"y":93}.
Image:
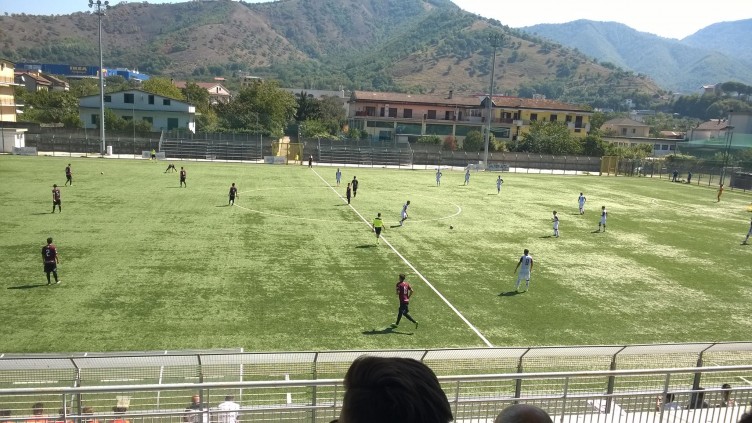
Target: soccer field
{"x":146,"y":265}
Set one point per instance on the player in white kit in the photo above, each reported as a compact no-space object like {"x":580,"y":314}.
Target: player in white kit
{"x":499,"y":181}
{"x":526,"y":266}
{"x":581,"y":201}
{"x":438,"y":177}
{"x":555,"y":219}
{"x":404,"y":212}
{"x":604,"y":214}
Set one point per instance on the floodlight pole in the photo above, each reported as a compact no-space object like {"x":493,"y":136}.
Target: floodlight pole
{"x":495,"y":40}
{"x":101,"y":8}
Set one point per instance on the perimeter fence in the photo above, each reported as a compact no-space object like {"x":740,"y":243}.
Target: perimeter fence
{"x":603,"y":382}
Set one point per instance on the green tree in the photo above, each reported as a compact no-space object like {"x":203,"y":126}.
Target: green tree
{"x":51,"y":107}
{"x":162,"y":86}
{"x":262,"y":106}
{"x":308,"y":108}
{"x":332,"y":113}
{"x":594,"y":146}
{"x":473,"y":142}
{"x":206,"y":117}
{"x":550,"y":138}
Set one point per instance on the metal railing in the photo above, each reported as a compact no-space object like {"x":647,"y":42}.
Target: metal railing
{"x":602,"y":396}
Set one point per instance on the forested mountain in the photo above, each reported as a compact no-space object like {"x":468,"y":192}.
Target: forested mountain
{"x":733,"y":39}
{"x":677,"y":65}
{"x":428,"y":46}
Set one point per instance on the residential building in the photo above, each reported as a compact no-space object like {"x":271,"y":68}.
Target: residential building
{"x":33,"y":81}
{"x":57,"y":83}
{"x":712,"y":129}
{"x":162,"y":112}
{"x":625,"y":127}
{"x":248,"y":80}
{"x":401,"y":116}
{"x":626,"y":132}
{"x":10,"y":136}
{"x":8,"y":106}
{"x":217,"y":92}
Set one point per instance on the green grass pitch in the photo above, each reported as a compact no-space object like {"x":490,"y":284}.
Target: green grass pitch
{"x":147,"y":265}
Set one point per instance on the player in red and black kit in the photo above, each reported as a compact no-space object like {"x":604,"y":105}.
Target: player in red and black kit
{"x":50,"y":259}
{"x":68,"y":175}
{"x":182,"y":177}
{"x":233,"y":193}
{"x":404,"y":292}
{"x":56,"y":199}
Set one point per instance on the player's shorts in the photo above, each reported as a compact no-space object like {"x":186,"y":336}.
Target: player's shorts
{"x":603,"y":221}
{"x":50,"y":267}
{"x":182,"y":179}
{"x":556,"y":226}
{"x":404,"y":215}
{"x":404,"y":308}
{"x":232,"y":197}
{"x":56,"y":202}
{"x":524,"y":275}
{"x":68,"y":177}
{"x":378,"y":231}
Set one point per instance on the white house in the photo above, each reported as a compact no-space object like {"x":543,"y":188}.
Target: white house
{"x":164,"y":113}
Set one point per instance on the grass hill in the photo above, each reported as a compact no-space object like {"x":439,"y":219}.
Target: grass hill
{"x":406,"y":45}
{"x":678,"y":65}
{"x":729,"y":38}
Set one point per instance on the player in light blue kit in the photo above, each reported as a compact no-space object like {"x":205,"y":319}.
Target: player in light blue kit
{"x":338,"y":175}
{"x":467,"y":176}
{"x":438,"y":177}
{"x":499,"y":181}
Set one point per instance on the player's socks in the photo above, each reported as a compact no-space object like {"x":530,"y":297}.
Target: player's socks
{"x":416,"y":325}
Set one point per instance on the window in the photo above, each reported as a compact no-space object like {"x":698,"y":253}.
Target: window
{"x":553,"y":118}
{"x":624,"y":131}
{"x":94,"y":119}
{"x":634,"y":130}
{"x":149,"y":119}
{"x":393,"y":112}
{"x":151,"y":98}
{"x":166,"y":102}
{"x":432,"y":114}
{"x":568,"y":119}
{"x":476,"y":113}
{"x":172,"y":123}
{"x":533,"y":117}
{"x":108,"y":99}
{"x":370,"y":111}
{"x":128,"y":98}
{"x":407,"y":113}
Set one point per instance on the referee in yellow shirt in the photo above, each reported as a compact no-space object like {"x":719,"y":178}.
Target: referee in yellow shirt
{"x":378,"y":225}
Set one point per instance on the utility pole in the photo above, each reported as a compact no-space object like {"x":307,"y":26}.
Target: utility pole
{"x":496,"y":40}
{"x":101,"y":8}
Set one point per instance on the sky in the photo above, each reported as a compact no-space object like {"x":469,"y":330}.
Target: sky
{"x":667,"y":18}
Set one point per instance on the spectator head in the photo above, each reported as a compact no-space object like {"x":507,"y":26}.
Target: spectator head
{"x":229,"y":398}
{"x":523,"y":413}
{"x":37,"y":409}
{"x":669,"y":398}
{"x":393,"y":389}
{"x":726,"y":392}
{"x":196,"y":399}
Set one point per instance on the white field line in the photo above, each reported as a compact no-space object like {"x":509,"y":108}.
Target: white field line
{"x":420,"y":275}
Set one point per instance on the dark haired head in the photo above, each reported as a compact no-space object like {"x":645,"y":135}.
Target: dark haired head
{"x":395,"y":390}
{"x":523,"y":413}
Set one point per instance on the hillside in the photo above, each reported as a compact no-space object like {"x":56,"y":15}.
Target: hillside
{"x":729,"y":38}
{"x":673,"y":64}
{"x":406,"y":45}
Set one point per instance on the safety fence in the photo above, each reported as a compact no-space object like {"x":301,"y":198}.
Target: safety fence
{"x":589,"y":396}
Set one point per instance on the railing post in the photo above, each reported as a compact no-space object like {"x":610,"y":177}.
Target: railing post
{"x":564,"y":398}
{"x":518,"y":382}
{"x":314,"y":392}
{"x":611,"y":382}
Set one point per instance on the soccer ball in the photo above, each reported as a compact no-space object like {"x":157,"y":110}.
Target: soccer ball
{"x":451,"y":227}
{"x":101,"y":173}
